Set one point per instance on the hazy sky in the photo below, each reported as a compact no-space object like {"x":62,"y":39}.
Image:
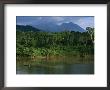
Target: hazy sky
{"x":82,"y":21}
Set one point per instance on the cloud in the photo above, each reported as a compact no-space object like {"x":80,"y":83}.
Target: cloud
{"x":57,"y":19}
{"x":83,"y":21}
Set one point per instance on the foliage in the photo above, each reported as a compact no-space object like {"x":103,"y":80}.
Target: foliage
{"x":31,"y":43}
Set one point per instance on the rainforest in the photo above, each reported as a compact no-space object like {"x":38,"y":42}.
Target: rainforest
{"x":47,"y":44}
{"x":49,"y":48}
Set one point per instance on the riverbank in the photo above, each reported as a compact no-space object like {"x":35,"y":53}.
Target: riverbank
{"x":57,"y":59}
{"x":57,"y":65}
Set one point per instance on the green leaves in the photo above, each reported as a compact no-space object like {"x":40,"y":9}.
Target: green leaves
{"x":53,"y":43}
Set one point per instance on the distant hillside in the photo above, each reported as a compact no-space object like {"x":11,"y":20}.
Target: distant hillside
{"x":26,"y":28}
{"x":53,"y":27}
{"x":71,"y":27}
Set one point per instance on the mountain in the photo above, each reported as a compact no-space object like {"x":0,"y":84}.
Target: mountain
{"x":52,"y":27}
{"x":71,"y":27}
{"x":26,"y":28}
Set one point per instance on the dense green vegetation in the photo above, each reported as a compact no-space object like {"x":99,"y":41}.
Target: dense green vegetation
{"x":26,"y":28}
{"x":45,"y":44}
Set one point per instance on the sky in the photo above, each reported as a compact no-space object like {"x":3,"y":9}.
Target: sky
{"x":82,"y":21}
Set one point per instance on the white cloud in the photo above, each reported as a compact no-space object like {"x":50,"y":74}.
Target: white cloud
{"x":39,"y":18}
{"x":82,"y":21}
{"x":85,"y":22}
{"x":58,"y":18}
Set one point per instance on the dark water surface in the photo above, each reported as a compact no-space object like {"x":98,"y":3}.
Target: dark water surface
{"x":56,"y":67}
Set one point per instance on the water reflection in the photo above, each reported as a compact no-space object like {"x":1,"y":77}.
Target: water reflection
{"x":58,"y":67}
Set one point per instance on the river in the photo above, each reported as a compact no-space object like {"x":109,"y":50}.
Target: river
{"x":77,"y":65}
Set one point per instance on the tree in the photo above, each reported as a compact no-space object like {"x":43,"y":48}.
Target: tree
{"x":91,"y":33}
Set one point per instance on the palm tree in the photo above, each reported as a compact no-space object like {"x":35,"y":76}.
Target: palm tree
{"x":91,"y":33}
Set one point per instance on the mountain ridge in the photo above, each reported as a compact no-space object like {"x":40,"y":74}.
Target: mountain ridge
{"x":52,"y":27}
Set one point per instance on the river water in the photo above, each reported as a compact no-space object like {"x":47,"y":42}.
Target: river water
{"x":33,"y":67}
